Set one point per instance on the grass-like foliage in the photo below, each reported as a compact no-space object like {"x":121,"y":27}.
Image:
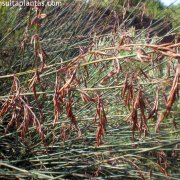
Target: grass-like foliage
{"x":90,"y":96}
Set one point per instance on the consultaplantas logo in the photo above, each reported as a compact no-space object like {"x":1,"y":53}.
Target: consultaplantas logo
{"x":21,"y":3}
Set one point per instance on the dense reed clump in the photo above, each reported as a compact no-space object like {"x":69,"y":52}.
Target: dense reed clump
{"x":90,"y":99}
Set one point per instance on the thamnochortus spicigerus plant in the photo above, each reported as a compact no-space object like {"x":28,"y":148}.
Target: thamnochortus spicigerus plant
{"x":109,"y":112}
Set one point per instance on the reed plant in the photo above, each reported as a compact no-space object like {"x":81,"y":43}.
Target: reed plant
{"x":89,"y":98}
